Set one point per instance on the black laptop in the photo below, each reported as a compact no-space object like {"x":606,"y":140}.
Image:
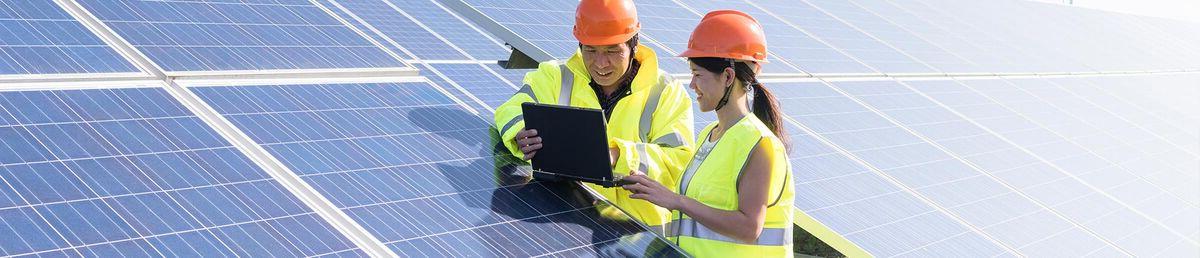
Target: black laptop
{"x":574,"y":144}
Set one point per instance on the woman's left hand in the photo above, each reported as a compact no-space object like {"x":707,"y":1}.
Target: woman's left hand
{"x":647,"y":189}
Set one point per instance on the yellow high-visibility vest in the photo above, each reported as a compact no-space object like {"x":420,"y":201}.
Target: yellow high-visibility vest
{"x":712,"y":179}
{"x":652,"y":126}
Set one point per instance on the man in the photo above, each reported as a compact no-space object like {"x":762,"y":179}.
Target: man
{"x":649,"y":114}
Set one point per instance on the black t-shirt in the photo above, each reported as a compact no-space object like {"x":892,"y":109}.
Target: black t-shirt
{"x":624,"y":88}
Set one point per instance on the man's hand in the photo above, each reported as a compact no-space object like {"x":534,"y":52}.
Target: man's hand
{"x":529,"y":142}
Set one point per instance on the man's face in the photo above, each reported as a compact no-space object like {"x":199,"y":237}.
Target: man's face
{"x":606,"y":64}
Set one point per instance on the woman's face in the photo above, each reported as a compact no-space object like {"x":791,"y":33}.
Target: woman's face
{"x":709,"y":86}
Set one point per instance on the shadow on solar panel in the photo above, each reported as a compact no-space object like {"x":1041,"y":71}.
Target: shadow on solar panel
{"x":420,"y":173}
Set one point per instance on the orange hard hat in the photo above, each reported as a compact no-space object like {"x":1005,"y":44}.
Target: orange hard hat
{"x":728,"y":34}
{"x":605,"y":22}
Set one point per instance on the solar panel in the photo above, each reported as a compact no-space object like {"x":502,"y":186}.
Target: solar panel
{"x":418,"y":171}
{"x":395,"y":23}
{"x":434,"y":18}
{"x":926,"y":26}
{"x":1120,"y":194}
{"x":841,"y":36}
{"x":130,"y":172}
{"x":39,"y":37}
{"x":208,"y":35}
{"x":897,"y":36}
{"x":823,"y":177}
{"x":546,"y":24}
{"x":479,"y":81}
{"x":788,"y":45}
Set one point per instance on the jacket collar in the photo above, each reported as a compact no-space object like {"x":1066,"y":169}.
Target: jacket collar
{"x":647,"y":74}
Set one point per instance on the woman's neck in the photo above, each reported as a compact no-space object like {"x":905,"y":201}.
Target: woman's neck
{"x":728,"y":115}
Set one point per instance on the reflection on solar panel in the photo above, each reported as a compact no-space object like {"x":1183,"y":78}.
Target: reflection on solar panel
{"x":38,"y":37}
{"x":399,"y":22}
{"x":906,"y":142}
{"x":129,"y":172}
{"x":221,"y":35}
{"x":415,"y":169}
{"x":479,"y":82}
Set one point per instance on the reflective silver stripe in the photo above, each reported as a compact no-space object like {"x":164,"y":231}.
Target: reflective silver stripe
{"x":568,"y":80}
{"x":651,"y":105}
{"x":644,"y":159}
{"x":697,"y":160}
{"x":670,"y":141}
{"x":528,"y":91}
{"x":691,"y":228}
{"x":511,"y":123}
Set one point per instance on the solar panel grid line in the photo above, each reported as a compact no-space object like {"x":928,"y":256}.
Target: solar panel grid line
{"x":276,"y":169}
{"x":34,"y":44}
{"x":1110,"y":130}
{"x":361,"y":33}
{"x":992,"y":61}
{"x":983,"y":173}
{"x":818,"y":39}
{"x":485,"y":92}
{"x":410,"y":18}
{"x":38,"y":212}
{"x":1139,"y":126}
{"x":1012,"y":189}
{"x":173,"y":199}
{"x":892,"y":180}
{"x":119,"y":44}
{"x":881,"y":41}
{"x":1124,"y":145}
{"x":916,"y":35}
{"x":444,"y":211}
{"x":1143,"y":108}
{"x":309,"y":40}
{"x":468,"y":23}
{"x":1102,"y":192}
{"x":503,"y":33}
{"x":428,"y":67}
{"x":975,"y":37}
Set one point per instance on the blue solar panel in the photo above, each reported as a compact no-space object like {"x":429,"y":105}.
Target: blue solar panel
{"x":436,"y":19}
{"x":1026,"y":37}
{"x":787,"y":43}
{"x":1128,"y":203}
{"x":209,"y":35}
{"x":391,"y":21}
{"x":478,"y":81}
{"x":865,"y":207}
{"x":129,"y":172}
{"x":416,"y":170}
{"x":924,"y":24}
{"x":992,"y":205}
{"x":841,"y":36}
{"x":896,"y":36}
{"x":1034,"y":179}
{"x":546,"y":24}
{"x":39,"y":37}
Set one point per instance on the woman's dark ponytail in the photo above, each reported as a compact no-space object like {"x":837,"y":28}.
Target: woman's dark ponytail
{"x":765,"y":106}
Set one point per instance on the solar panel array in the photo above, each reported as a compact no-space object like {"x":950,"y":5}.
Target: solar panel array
{"x":906,"y":142}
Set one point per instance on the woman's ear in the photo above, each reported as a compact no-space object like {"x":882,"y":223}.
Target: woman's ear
{"x":729,"y":75}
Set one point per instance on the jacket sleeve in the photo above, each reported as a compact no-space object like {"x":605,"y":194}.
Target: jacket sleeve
{"x":668,"y":149}
{"x":509,"y":119}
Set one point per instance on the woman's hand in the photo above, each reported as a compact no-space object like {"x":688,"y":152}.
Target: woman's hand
{"x":647,"y":189}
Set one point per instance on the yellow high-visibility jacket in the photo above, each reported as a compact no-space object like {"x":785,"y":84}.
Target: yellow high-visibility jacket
{"x":652,"y":127}
{"x":712,"y":179}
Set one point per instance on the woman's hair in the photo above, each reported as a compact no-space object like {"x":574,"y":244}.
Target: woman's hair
{"x":765,"y":106}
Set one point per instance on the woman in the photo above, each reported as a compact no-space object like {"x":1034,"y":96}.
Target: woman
{"x":735,"y":198}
